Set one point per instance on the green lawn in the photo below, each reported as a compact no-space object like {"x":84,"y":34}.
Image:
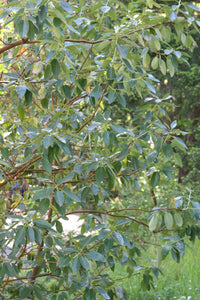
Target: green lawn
{"x":180,"y":281}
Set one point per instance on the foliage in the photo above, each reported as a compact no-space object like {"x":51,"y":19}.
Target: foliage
{"x":63,"y":66}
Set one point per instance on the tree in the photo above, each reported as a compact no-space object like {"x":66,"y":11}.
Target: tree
{"x":63,"y":66}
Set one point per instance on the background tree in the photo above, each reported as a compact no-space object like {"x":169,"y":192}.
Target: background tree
{"x":64,"y":151}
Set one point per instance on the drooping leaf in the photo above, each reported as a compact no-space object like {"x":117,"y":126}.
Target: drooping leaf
{"x":21,"y":112}
{"x":168,"y":220}
{"x":103,"y":293}
{"x":97,"y":92}
{"x":100,"y":174}
{"x":21,"y":90}
{"x":30,"y":234}
{"x":20,"y":236}
{"x":42,"y":193}
{"x":96,"y":256}
{"x":22,"y":28}
{"x":67,"y":7}
{"x":167,"y":150}
{"x":155,"y":178}
{"x":42,"y":224}
{"x":42,"y":13}
{"x":178,"y":219}
{"x":55,"y":66}
{"x":150,"y":86}
{"x":71,"y":195}
{"x":59,"y":197}
{"x":122,"y":50}
{"x":153,"y":222}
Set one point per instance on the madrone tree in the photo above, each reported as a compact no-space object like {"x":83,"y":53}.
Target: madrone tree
{"x":63,"y":66}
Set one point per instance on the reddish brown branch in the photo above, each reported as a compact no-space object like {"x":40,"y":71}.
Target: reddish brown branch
{"x":107,"y":214}
{"x":26,"y":41}
{"x":17,"y":43}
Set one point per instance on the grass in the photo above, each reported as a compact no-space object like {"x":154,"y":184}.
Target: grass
{"x":180,"y":281}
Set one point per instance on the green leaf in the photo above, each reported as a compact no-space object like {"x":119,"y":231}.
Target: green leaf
{"x":128,"y":65}
{"x":122,"y":50}
{"x":59,"y":197}
{"x":42,"y":193}
{"x":65,"y":147}
{"x":132,"y":82}
{"x":111,"y":178}
{"x":57,"y":22}
{"x":118,"y":237}
{"x":22,"y":28}
{"x":175,"y":254}
{"x":173,"y":16}
{"x":123,"y":221}
{"x":55,"y":66}
{"x":5,"y":163}
{"x":123,"y":153}
{"x":155,"y":178}
{"x":91,"y":167}
{"x":102,"y":292}
{"x":67,"y":7}
{"x":28,"y":98}
{"x":170,"y":66}
{"x":42,"y":13}
{"x":95,"y":189}
{"x":178,"y":219}
{"x":111,"y":73}
{"x":65,"y":179}
{"x":152,"y":155}
{"x":44,"y":206}
{"x":37,"y":67}
{"x":8,"y":269}
{"x":154,"y":63}
{"x":25,"y":292}
{"x":21,"y":90}
{"x":20,"y":236}
{"x":48,"y":141}
{"x":84,"y":263}
{"x":150,"y":86}
{"x":168,"y":220}
{"x":42,"y":224}
{"x":167,"y":150}
{"x":100,"y":174}
{"x":144,"y":52}
{"x":38,"y":237}
{"x":49,"y":241}
{"x":46,"y":164}
{"x":71,"y":195}
{"x":30,"y":234}
{"x":67,"y":91}
{"x":105,"y":9}
{"x":192,"y":6}
{"x":178,"y":142}
{"x":121,"y":100}
{"x":153,"y":222}
{"x":106,"y":138}
{"x":64,"y":261}
{"x":76,"y":264}
{"x":96,"y":256}
{"x":163,"y":67}
{"x":59,"y":226}
{"x":101,"y":46}
{"x":103,"y":233}
{"x":21,"y":113}
{"x":32,"y":31}
{"x":97,"y":92}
